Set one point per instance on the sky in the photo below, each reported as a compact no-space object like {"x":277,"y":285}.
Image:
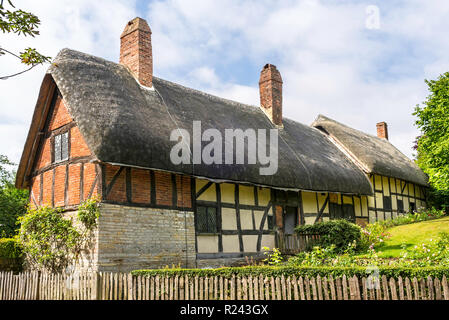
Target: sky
{"x":358,"y":62}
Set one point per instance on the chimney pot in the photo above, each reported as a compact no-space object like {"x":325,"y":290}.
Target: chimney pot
{"x":270,"y":87}
{"x":136,"y":52}
{"x":382,"y":130}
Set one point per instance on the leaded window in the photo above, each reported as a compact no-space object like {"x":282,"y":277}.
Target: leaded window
{"x":61,"y":147}
{"x":206,"y":219}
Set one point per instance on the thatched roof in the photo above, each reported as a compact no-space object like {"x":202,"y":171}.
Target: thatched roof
{"x":125,"y":123}
{"x":376,"y":155}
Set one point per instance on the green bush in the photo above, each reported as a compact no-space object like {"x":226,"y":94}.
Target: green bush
{"x":339,"y":233}
{"x":10,"y":248}
{"x":299,"y":271}
{"x":412,"y":217}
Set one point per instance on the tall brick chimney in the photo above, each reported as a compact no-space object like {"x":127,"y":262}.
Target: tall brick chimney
{"x":382,"y":130}
{"x":136,"y":52}
{"x":270,"y":87}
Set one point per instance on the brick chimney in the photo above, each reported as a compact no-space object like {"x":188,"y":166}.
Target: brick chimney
{"x":382,"y":130}
{"x":136,"y":52}
{"x":270,"y":86}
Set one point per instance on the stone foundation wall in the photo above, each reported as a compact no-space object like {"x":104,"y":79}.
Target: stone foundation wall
{"x":131,"y":238}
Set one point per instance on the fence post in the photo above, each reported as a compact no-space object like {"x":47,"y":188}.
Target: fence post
{"x":94,"y":286}
{"x":130,"y":286}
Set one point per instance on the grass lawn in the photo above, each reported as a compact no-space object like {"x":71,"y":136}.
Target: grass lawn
{"x":411,"y":235}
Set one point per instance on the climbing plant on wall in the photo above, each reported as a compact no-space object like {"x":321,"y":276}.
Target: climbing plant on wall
{"x":52,"y":240}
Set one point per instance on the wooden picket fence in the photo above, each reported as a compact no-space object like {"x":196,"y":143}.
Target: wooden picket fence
{"x":295,"y":243}
{"x":123,"y":286}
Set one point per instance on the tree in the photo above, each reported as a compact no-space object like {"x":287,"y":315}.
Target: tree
{"x":433,"y":144}
{"x":21,"y":23}
{"x":13,"y":201}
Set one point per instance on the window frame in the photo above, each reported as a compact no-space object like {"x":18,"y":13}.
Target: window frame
{"x":53,"y":139}
{"x":387,"y":202}
{"x":208,"y":231}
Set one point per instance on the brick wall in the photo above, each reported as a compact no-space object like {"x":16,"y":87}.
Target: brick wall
{"x":60,"y":115}
{"x":163,"y":188}
{"x":131,"y":238}
{"x":118,"y":191}
{"x":141,"y":184}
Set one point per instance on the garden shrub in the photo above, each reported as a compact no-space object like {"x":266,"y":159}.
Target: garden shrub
{"x":10,"y":248}
{"x":339,"y":233}
{"x":372,"y":235}
{"x":412,"y":217}
{"x":52,"y":242}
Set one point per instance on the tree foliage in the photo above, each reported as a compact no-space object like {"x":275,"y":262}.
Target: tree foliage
{"x":21,"y":23}
{"x":13,"y":202}
{"x":433,"y":144}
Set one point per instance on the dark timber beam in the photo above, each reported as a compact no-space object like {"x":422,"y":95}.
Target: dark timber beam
{"x":262,"y":223}
{"x":203,"y":189}
{"x":114,"y":179}
{"x":320,"y":213}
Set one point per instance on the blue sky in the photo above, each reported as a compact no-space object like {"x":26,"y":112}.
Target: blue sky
{"x":332,"y":60}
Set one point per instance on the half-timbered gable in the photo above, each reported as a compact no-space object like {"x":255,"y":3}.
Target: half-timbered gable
{"x":399,"y":185}
{"x":62,"y":173}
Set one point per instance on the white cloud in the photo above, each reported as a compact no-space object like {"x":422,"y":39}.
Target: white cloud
{"x":329,"y":61}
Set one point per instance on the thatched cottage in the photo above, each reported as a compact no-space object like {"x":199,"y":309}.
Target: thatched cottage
{"x":105,"y":129}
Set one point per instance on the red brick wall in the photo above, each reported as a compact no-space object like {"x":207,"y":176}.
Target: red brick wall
{"x":74,"y":184}
{"x":141,"y":186}
{"x":47,"y":188}
{"x":59,"y":185}
{"x":78,"y":146}
{"x":163,"y":188}
{"x":60,"y":115}
{"x":89,"y":180}
{"x":118,"y":191}
{"x":183,"y":191}
{"x":44,"y":159}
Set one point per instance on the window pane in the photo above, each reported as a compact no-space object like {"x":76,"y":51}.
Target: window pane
{"x":57,"y":148}
{"x":387,"y":203}
{"x":206,"y":219}
{"x":201,"y":219}
{"x":65,"y":146}
{"x":212,"y":219}
{"x":400,"y":206}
